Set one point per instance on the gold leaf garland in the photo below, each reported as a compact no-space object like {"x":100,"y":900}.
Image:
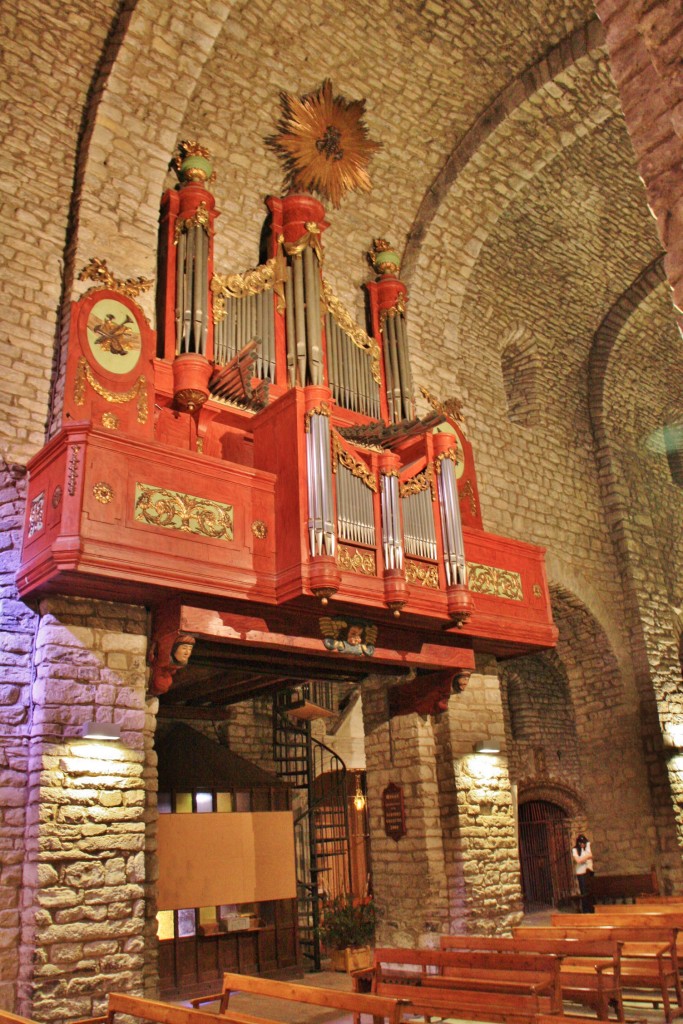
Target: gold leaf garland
{"x":186,"y":513}
{"x":353,"y":560}
{"x":418,"y":483}
{"x":138,"y":391}
{"x":487,"y":579}
{"x":424,"y":575}
{"x":358,"y":469}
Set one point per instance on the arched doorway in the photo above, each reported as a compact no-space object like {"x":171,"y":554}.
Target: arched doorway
{"x":544,"y":854}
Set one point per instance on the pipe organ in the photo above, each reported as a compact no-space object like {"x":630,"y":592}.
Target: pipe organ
{"x":262,"y":451}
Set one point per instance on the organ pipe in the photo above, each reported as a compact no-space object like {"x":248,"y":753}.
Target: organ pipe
{"x":454,"y":547}
{"x":320,"y":507}
{"x":391,"y":523}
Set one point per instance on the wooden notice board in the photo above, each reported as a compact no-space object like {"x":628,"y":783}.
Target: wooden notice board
{"x":209,"y":859}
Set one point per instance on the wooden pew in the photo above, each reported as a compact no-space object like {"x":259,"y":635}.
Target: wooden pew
{"x":470,"y":985}
{"x":623,"y":887}
{"x":590,"y":970}
{"x":164,"y":1013}
{"x":648,"y":956}
{"x":356,"y":1003}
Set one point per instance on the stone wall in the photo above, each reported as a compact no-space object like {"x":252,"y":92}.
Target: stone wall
{"x":84,"y":926}
{"x":16,"y":672}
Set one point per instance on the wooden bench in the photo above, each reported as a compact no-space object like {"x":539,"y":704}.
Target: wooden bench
{"x":357,"y":1003}
{"x":590,"y":970}
{"x":648,"y":956}
{"x":164,"y":1013}
{"x":470,"y":985}
{"x":611,"y":888}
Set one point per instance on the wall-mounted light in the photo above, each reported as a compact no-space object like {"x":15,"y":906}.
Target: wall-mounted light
{"x":487,"y":747}
{"x":673,"y":737}
{"x":359,"y":797}
{"x":101,"y":731}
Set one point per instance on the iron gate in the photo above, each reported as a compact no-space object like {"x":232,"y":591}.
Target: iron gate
{"x":545,"y":855}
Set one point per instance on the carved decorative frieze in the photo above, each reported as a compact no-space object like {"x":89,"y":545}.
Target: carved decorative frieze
{"x":341,"y":457}
{"x":138,"y":391}
{"x":186,"y":513}
{"x":354,"y":560}
{"x":200,"y":218}
{"x":486,"y":579}
{"x":97,"y":270}
{"x":270,"y":274}
{"x":110,"y":421}
{"x":103,"y":492}
{"x":421,"y":574}
{"x":467,"y":494}
{"x":418,"y":483}
{"x":36,"y":514}
{"x":72,"y":473}
{"x":320,"y":410}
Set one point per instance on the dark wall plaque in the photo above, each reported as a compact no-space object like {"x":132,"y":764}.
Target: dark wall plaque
{"x":394,"y":811}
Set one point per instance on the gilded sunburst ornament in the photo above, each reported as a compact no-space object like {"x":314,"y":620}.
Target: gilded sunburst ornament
{"x":324,"y":143}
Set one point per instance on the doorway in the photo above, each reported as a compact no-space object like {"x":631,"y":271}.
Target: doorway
{"x":545,"y":855}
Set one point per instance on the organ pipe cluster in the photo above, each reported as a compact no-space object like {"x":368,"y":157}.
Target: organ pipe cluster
{"x":320,"y":504}
{"x":349,"y":370}
{"x":355,"y":509}
{"x":392,"y":540}
{"x":419,"y":534}
{"x":397,"y":366}
{"x":451,"y":523}
{"x":192,"y":285}
{"x":303,"y":318}
{"x":247,"y":318}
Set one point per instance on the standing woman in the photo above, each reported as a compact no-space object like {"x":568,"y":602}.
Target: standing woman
{"x":583,"y":862}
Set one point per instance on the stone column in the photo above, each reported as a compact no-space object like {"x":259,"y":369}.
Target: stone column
{"x":16,"y":647}
{"x":409,"y":876}
{"x":477,"y":812}
{"x":83,"y":906}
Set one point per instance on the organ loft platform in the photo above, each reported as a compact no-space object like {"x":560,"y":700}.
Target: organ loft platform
{"x":255,"y":471}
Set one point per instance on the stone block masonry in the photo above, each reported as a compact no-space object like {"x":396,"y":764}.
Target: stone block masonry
{"x":84,"y":929}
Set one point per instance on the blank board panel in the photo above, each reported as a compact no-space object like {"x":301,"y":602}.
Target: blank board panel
{"x":209,"y":859}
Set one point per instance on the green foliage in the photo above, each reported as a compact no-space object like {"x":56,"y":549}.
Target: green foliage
{"x":348,"y":922}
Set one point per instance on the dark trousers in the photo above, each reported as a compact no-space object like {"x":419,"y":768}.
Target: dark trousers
{"x":587,"y":902}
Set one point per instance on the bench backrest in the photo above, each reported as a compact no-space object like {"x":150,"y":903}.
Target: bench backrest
{"x":351,"y":1002}
{"x":439,"y":961}
{"x":625,"y":917}
{"x":623,"y":933}
{"x":607,"y":948}
{"x":616,"y":886}
{"x":166,"y":1013}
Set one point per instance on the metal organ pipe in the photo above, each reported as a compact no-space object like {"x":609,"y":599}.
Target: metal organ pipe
{"x":454,"y":547}
{"x":391,"y":523}
{"x":320,"y":507}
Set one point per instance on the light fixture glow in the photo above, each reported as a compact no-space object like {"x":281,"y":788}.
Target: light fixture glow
{"x":359,"y":798}
{"x":101,"y":731}
{"x":487,"y":747}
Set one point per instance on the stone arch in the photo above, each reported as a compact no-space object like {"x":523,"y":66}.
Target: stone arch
{"x":569,"y":799}
{"x":569,"y":50}
{"x":520,"y":366}
{"x":128,"y":123}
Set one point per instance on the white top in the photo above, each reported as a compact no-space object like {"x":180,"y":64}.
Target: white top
{"x":583,"y":860}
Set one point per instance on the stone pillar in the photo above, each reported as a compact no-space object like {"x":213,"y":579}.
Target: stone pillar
{"x":477,"y":811}
{"x":16,"y":647}
{"x":409,"y":876}
{"x":83,"y":906}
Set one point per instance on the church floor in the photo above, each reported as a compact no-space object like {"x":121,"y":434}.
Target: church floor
{"x":291,"y":1013}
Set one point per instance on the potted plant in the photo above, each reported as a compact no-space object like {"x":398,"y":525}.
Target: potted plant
{"x":348,"y":929}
